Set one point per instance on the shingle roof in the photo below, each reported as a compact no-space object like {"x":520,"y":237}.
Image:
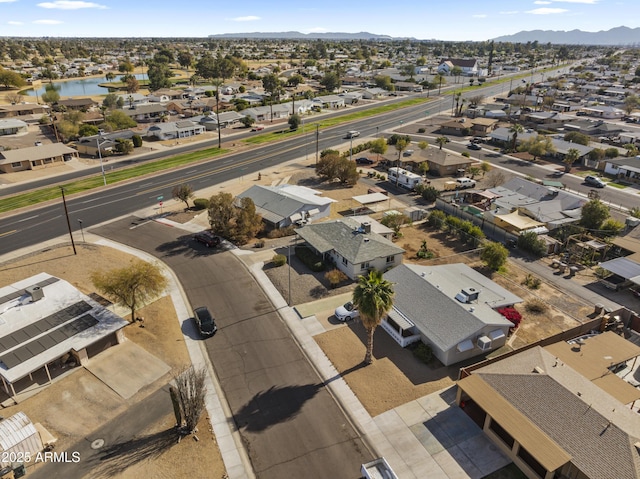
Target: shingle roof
{"x":346,"y":238}
{"x":34,"y":153}
{"x":429,"y":301}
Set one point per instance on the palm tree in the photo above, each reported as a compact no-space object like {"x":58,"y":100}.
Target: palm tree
{"x":441,"y":141}
{"x":401,"y":145}
{"x":570,"y":158}
{"x":515,"y":129}
{"x":373,"y":297}
{"x":217,"y":82}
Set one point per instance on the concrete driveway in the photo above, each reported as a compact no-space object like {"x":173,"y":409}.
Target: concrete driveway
{"x":291,"y":425}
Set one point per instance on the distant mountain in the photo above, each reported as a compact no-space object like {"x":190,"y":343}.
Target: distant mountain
{"x":615,"y":36}
{"x":305,"y":36}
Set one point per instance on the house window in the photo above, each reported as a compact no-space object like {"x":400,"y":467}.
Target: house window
{"x":47,"y":161}
{"x":391,"y":259}
{"x":344,"y":261}
{"x":364,"y":266}
{"x":501,"y":433}
{"x":530,"y":461}
{"x":16,"y":164}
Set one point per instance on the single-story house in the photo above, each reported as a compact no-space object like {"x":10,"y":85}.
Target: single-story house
{"x":351,"y":246}
{"x":603,"y":111}
{"x":460,"y":127}
{"x":468,"y":66}
{"x":35,"y":157}
{"x":523,"y":100}
{"x":441,"y":162}
{"x":627,"y":169}
{"x":547,"y":119}
{"x":329,"y":101}
{"x":12,"y":127}
{"x":559,"y":410}
{"x":174,"y":130}
{"x":22,"y":109}
{"x":82,"y":104}
{"x":483,"y":126}
{"x":374,"y":93}
{"x":146,"y":112}
{"x":45,"y":320}
{"x":263,"y":113}
{"x":284,"y":205}
{"x":133,"y":99}
{"x":407,"y":86}
{"x":165,"y":95}
{"x":227,"y":119}
{"x":351,"y":98}
{"x":451,"y":308}
{"x":88,"y":145}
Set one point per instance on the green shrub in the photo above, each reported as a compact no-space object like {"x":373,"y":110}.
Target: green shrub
{"x":436,"y":218}
{"x":259,"y":244}
{"x":282,"y":232}
{"x":309,"y":258}
{"x":466,"y":154}
{"x":335,"y":277}
{"x":532,"y":282}
{"x":430,"y":193}
{"x":201,"y":204}
{"x":530,"y":242}
{"x":422,"y":352}
{"x":535,"y":306}
{"x":279,"y":260}
{"x":137,"y":141}
{"x":421,"y":130}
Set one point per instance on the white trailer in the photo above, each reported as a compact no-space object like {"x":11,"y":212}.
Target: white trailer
{"x":404,"y":178}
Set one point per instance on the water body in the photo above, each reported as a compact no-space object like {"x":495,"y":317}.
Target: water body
{"x":81,"y":87}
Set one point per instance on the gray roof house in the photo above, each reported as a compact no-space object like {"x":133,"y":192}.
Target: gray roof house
{"x":351,"y":246}
{"x":35,"y":157}
{"x":175,"y":129}
{"x":451,"y":308}
{"x":12,"y":126}
{"x":281,"y":206}
{"x":627,"y":169}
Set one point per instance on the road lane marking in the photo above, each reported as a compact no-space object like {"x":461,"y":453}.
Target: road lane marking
{"x":8,"y":233}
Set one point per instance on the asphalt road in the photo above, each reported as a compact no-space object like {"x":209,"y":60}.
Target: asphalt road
{"x":290,"y":424}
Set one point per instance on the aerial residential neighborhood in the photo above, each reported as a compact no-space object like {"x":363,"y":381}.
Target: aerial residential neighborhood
{"x":282,"y":254}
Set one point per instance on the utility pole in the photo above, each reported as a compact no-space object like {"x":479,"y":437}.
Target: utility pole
{"x":66,"y":213}
{"x":317,"y":140}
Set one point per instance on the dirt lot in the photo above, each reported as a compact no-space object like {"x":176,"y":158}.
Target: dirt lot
{"x":79,"y":403}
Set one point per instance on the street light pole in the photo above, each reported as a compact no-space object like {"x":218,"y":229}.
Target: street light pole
{"x":66,"y":213}
{"x":289,"y":261}
{"x":104,"y":178}
{"x":351,"y":149}
{"x":317,"y":141}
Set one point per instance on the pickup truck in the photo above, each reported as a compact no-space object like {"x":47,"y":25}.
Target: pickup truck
{"x":378,"y":469}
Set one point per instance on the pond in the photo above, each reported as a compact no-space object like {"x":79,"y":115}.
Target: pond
{"x":81,"y":87}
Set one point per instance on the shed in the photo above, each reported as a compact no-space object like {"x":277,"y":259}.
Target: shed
{"x":19,"y":435}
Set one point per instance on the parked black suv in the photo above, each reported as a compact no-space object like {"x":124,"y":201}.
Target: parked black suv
{"x":204,"y":321}
{"x":207,"y":239}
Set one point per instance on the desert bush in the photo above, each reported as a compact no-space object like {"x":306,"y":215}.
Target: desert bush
{"x":279,"y":260}
{"x":422,"y":352}
{"x":201,"y":204}
{"x":282,"y":232}
{"x":421,"y":130}
{"x":335,"y":277}
{"x":259,"y":244}
{"x":531,"y":282}
{"x":535,"y":306}
{"x":309,"y":258}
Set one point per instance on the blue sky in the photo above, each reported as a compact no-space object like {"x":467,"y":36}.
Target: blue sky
{"x":422,"y":19}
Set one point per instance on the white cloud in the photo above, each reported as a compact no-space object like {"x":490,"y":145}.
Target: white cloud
{"x":248,"y":18}
{"x":511,"y":12}
{"x":15,"y":23}
{"x":480,"y":15}
{"x":47,"y":22}
{"x":546,"y":11}
{"x":588,"y":2}
{"x":541,"y":2}
{"x":71,"y":5}
{"x":7,"y":1}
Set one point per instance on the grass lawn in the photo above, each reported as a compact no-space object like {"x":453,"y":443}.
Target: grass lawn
{"x":45,"y":194}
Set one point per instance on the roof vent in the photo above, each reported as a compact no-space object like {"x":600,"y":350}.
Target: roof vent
{"x":538,"y":370}
{"x":36,"y":293}
{"x":366,"y":240}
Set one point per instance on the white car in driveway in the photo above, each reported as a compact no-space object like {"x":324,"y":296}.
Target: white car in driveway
{"x":346,"y":312}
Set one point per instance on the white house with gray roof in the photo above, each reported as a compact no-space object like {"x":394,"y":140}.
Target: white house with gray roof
{"x":284,"y":205}
{"x":175,"y":129}
{"x":351,"y":246}
{"x":451,"y":308}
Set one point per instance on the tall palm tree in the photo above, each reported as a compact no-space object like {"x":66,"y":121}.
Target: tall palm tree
{"x":373,"y":297}
{"x":515,"y":130}
{"x":441,"y":141}
{"x":217,"y":82}
{"x":570,"y":158}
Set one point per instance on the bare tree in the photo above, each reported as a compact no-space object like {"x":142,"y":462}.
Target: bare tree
{"x":191,"y":394}
{"x":495,"y":178}
{"x":183,"y":192}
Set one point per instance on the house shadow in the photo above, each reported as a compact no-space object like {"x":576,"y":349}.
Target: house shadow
{"x":414,"y":370}
{"x":274,"y":406}
{"x":117,"y":458}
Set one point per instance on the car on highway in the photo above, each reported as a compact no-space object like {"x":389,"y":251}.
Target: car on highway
{"x":474,"y":146}
{"x":353,"y":134}
{"x":204,"y":321}
{"x":257,"y":128}
{"x":208,"y":239}
{"x":594,"y":181}
{"x":364,"y":161}
{"x":346,"y":312}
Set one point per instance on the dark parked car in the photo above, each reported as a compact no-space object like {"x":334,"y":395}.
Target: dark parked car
{"x":207,"y":239}
{"x":594,"y":181}
{"x":474,"y":146}
{"x":204,"y":321}
{"x":364,"y":161}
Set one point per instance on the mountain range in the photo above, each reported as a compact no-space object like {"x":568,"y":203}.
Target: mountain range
{"x":615,"y":36}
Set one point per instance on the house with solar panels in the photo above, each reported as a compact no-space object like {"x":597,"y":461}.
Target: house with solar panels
{"x":46,"y":325}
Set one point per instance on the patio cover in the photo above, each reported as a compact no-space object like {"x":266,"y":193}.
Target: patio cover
{"x":623,"y":267}
{"x":521,"y":222}
{"x":371,"y":198}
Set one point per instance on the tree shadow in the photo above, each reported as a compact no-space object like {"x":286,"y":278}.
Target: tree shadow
{"x":185,"y":246}
{"x":274,"y":406}
{"x":115,"y":459}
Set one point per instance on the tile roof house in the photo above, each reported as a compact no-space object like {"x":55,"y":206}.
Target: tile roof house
{"x":351,"y":246}
{"x":560,"y":410}
{"x":281,"y":206}
{"x":451,"y":308}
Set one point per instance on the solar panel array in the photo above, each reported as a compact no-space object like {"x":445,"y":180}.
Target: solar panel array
{"x":37,"y":346}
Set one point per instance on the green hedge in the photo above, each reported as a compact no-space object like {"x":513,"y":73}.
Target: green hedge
{"x":310,"y":259}
{"x":201,"y":204}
